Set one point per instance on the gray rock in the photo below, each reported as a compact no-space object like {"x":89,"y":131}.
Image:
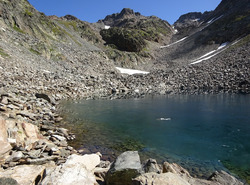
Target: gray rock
{"x":32,"y":174}
{"x":3,"y":108}
{"x":76,"y":170}
{"x":63,"y":131}
{"x":8,"y":181}
{"x":12,"y":116}
{"x":4,"y":100}
{"x":60,"y":138}
{"x":43,"y":96}
{"x":151,"y":166}
{"x":5,"y":146}
{"x":34,"y":154}
{"x":223,"y":178}
{"x":160,"y":179}
{"x":174,"y":168}
{"x":64,"y":153}
{"x":126,"y":167}
{"x":15,"y":156}
{"x":27,"y":114}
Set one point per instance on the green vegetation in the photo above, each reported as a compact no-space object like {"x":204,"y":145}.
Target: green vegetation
{"x":124,"y":38}
{"x":132,"y":36}
{"x":242,"y":42}
{"x":28,"y":13}
{"x":84,"y":29}
{"x":69,"y":24}
{"x":58,"y":31}
{"x":243,"y":173}
{"x":35,"y":51}
{"x":16,"y":28}
{"x":129,"y":145}
{"x":240,"y":17}
{"x":2,"y":53}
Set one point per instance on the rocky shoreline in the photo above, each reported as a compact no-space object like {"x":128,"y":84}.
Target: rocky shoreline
{"x":31,"y":142}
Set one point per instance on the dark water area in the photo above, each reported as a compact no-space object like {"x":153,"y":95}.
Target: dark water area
{"x":203,"y":133}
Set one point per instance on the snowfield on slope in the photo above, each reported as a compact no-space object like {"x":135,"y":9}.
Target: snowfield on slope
{"x":131,"y":71}
{"x":173,"y":43}
{"x":210,"y":54}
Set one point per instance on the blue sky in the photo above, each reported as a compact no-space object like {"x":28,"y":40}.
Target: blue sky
{"x":93,"y":10}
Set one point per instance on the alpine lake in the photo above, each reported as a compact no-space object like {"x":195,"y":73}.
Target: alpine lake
{"x":202,"y":133}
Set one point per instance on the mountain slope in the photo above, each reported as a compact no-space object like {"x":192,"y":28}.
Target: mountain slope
{"x":66,"y":56}
{"x":204,"y":33}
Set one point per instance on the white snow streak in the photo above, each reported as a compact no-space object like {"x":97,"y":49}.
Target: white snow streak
{"x":214,"y":19}
{"x":211,"y":53}
{"x":223,"y":45}
{"x":131,"y":71}
{"x":195,"y":20}
{"x":173,"y":43}
{"x":175,"y":30}
{"x":106,"y":27}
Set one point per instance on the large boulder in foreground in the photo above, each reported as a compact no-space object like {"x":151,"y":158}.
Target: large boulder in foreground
{"x":77,"y":170}
{"x":126,"y":167}
{"x":5,"y":147}
{"x":24,"y":174}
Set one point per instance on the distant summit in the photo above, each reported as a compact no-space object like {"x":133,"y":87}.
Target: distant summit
{"x":130,"y":30}
{"x":118,"y":19}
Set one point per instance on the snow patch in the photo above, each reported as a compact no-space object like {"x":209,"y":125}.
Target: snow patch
{"x":175,"y":30}
{"x":173,"y":43}
{"x":214,"y":19}
{"x":195,"y":20}
{"x":222,"y":45}
{"x":211,"y":53}
{"x":106,"y":27}
{"x":131,"y":71}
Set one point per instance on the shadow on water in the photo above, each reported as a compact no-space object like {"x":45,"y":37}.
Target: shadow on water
{"x":203,"y":133}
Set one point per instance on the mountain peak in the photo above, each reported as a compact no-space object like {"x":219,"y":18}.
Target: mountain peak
{"x":127,"y":11}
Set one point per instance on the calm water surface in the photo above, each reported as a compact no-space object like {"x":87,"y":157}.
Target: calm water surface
{"x":207,"y":132}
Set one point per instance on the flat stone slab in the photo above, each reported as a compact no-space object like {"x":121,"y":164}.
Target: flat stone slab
{"x":25,"y":174}
{"x":4,"y":144}
{"x":74,"y":171}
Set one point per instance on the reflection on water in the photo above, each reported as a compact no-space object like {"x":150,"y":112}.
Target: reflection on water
{"x":198,"y":131}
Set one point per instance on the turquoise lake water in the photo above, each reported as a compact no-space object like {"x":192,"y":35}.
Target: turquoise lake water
{"x":201,"y":132}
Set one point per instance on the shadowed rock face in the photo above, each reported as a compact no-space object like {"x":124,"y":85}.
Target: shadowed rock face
{"x":229,"y":21}
{"x":125,"y":39}
{"x":142,"y":28}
